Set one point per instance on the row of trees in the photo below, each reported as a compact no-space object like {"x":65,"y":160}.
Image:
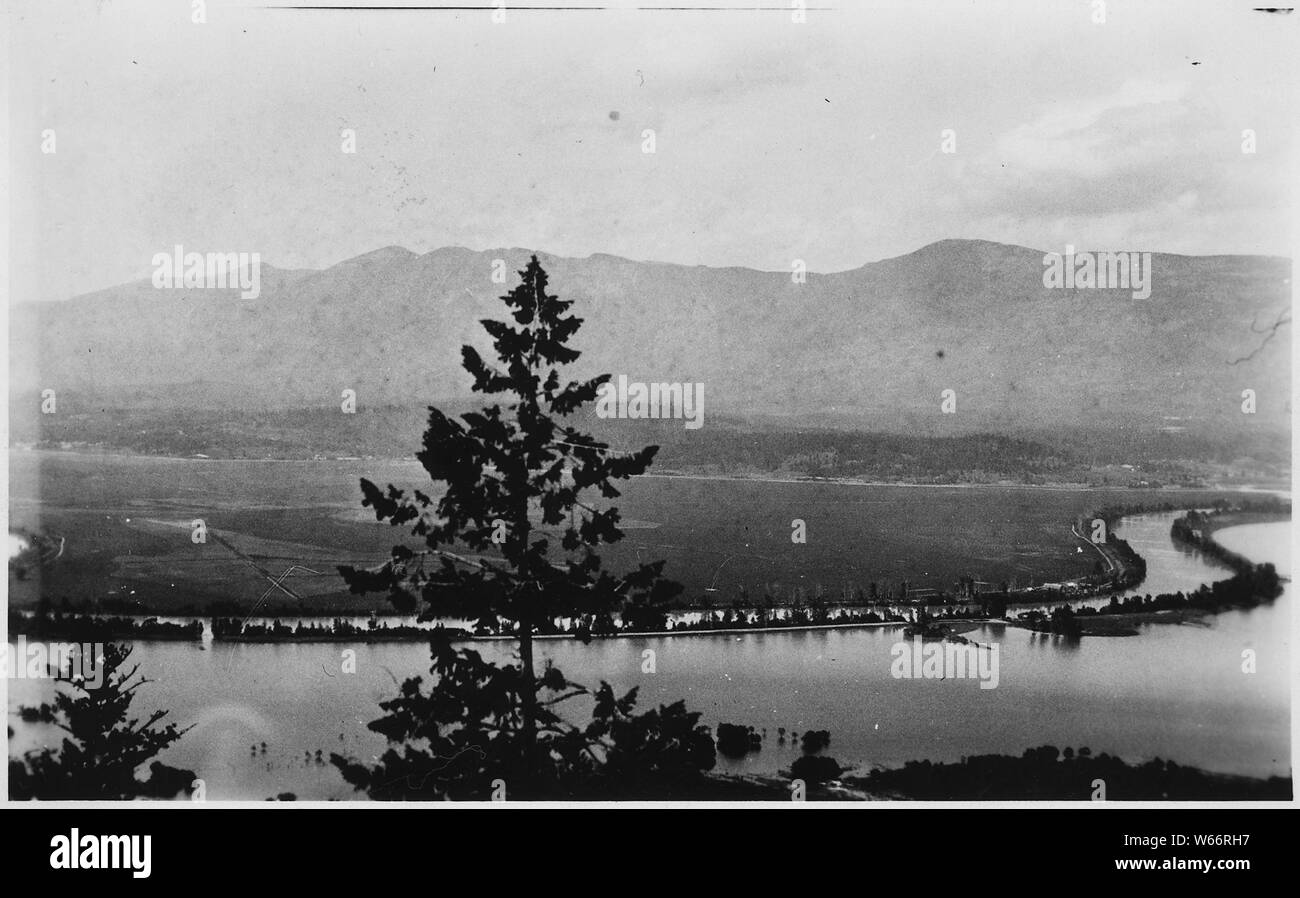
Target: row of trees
{"x":1248,"y":586}
{"x":1194,"y":529}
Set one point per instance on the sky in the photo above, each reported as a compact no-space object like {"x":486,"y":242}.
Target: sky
{"x":821,"y":141}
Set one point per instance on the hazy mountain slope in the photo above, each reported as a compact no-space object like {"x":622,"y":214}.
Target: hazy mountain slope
{"x":874,"y":345}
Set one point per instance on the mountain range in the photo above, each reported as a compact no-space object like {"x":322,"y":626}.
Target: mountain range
{"x":874,"y":346}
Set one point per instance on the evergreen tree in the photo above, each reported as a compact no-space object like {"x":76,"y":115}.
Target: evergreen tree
{"x":103,"y":749}
{"x":511,"y":539}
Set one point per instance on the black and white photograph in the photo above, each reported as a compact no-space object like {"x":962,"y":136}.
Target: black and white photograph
{"x":596,"y":403}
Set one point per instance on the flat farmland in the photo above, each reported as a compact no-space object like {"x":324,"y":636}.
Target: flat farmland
{"x":127,"y":525}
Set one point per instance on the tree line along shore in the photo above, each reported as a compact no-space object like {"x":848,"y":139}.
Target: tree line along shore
{"x":1118,"y":569}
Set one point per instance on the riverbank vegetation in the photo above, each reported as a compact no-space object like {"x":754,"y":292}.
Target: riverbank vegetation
{"x":1250,"y":584}
{"x":44,"y":623}
{"x":1050,"y":774}
{"x":229,"y":629}
{"x":1196,"y":528}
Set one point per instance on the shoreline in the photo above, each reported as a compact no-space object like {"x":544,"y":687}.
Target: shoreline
{"x":1108,"y":625}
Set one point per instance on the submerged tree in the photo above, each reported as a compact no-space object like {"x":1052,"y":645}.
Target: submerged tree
{"x":511,"y":540}
{"x":104,"y":748}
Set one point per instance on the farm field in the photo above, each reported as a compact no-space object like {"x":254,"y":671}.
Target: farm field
{"x":127,"y":525}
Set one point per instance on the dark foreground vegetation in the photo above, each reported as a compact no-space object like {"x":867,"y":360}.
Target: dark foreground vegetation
{"x":102,"y":747}
{"x":481,"y":729}
{"x":1047,"y":773}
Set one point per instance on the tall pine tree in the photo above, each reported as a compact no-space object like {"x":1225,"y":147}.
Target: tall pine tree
{"x":512,"y":542}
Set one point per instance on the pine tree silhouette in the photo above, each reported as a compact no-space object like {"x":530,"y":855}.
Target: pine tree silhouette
{"x":511,"y":544}
{"x":104,"y":748}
